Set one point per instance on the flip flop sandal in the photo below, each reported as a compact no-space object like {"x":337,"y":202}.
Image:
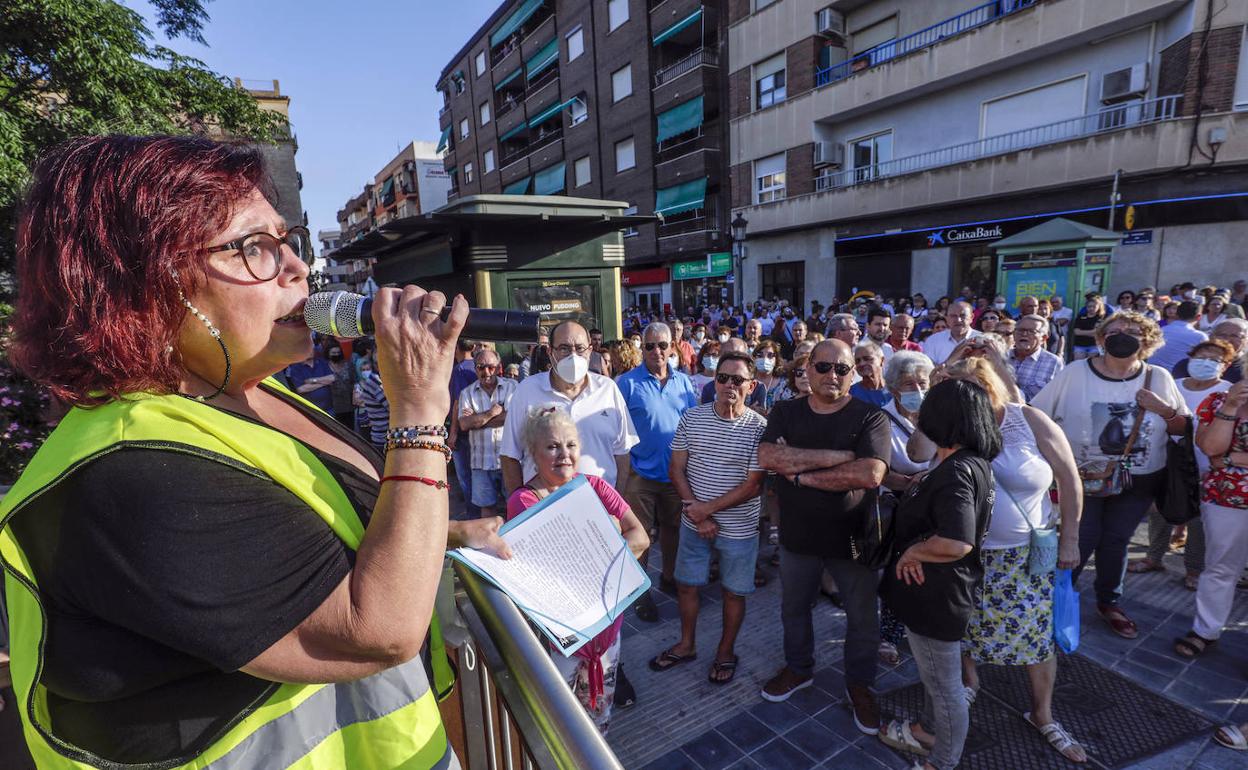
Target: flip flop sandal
{"x":897,"y":735}
{"x":668,"y":659}
{"x":1191,"y":582}
{"x":1118,"y":621}
{"x":1144,"y":565}
{"x":1231,"y":737}
{"x":1056,"y":735}
{"x":888,"y":654}
{"x":760,"y":578}
{"x":971,"y":694}
{"x":1192,"y":645}
{"x":721,"y":666}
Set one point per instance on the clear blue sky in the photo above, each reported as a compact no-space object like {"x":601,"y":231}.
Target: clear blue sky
{"x":360,"y":76}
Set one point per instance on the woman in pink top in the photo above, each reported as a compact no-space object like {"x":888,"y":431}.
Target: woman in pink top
{"x":552,"y":441}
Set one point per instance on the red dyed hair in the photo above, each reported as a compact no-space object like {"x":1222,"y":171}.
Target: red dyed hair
{"x":106,"y":223}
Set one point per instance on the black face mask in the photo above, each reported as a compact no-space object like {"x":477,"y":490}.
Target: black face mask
{"x":1120,"y":345}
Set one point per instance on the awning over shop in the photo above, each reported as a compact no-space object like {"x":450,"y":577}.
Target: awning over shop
{"x":513,"y":22}
{"x":678,"y":26}
{"x":550,"y":112}
{"x":549,"y":180}
{"x":513,"y":131}
{"x":518,"y":187}
{"x":539,"y":61}
{"x":681,"y":197}
{"x":507,"y":79}
{"x":679,"y":119}
{"x":445,"y":140}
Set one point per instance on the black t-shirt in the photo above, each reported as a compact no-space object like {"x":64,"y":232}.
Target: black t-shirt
{"x":953,"y":501}
{"x":163,"y":572}
{"x":813,"y":521}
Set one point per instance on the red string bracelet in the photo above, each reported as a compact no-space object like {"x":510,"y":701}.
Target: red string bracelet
{"x":422,"y":479}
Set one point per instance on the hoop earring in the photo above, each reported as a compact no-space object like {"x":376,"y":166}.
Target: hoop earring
{"x":216,"y":335}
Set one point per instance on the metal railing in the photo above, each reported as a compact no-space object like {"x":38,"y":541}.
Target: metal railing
{"x":1115,"y":118}
{"x":699,"y":221}
{"x":518,"y":713}
{"x":703,"y":57}
{"x":924,"y":38}
{"x":532,"y":147}
{"x":704,"y":137}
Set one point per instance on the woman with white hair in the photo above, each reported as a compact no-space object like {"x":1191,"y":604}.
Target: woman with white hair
{"x":551,"y":439}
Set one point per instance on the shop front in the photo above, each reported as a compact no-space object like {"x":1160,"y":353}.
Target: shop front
{"x":647,"y":289}
{"x":702,"y":282}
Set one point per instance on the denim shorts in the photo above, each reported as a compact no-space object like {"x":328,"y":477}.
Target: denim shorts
{"x":736,"y":561}
{"x":487,"y":488}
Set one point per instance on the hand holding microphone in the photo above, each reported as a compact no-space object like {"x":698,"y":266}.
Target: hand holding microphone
{"x":344,"y":314}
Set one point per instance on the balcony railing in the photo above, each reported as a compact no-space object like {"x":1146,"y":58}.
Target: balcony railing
{"x":697,"y":221}
{"x":538,"y":143}
{"x":924,"y":38}
{"x":703,"y":57}
{"x":442,"y":112}
{"x":704,"y":137}
{"x":1115,"y":118}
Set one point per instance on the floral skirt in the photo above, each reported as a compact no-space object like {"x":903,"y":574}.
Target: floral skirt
{"x":1014,"y":624}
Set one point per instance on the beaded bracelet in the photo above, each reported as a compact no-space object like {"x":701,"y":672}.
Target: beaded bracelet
{"x":1227,"y":417}
{"x":410,"y":443}
{"x":435,"y":483}
{"x":415,"y":431}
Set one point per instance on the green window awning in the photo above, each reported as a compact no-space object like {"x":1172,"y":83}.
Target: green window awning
{"x":549,"y":180}
{"x":445,"y":140}
{"x":679,"y":119}
{"x":678,"y":26}
{"x":507,"y":79}
{"x":538,"y":62}
{"x":518,"y":187}
{"x":513,"y":22}
{"x":550,"y":112}
{"x":511,"y":133}
{"x":682,"y":197}
{"x":387,"y":191}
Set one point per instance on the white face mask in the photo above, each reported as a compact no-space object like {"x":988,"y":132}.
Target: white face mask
{"x":673,"y":362}
{"x":1203,"y":368}
{"x":999,"y":305}
{"x":765,"y":365}
{"x":710,"y":363}
{"x":723,"y":338}
{"x":572,"y":369}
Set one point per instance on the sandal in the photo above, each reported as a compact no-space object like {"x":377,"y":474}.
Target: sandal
{"x":1231,"y":737}
{"x":1192,"y":645}
{"x":1144,"y":565}
{"x":1118,"y":621}
{"x":898,"y":735}
{"x":971,"y":694}
{"x":668,"y":659}
{"x":888,"y":654}
{"x":760,"y":578}
{"x":1057,"y":737}
{"x":720,"y":667}
{"x":1191,"y":581}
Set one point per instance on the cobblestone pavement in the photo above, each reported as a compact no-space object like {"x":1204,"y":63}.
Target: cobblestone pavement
{"x":683,"y":721}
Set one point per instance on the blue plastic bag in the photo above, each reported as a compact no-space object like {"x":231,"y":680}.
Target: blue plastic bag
{"x":1065,"y":612}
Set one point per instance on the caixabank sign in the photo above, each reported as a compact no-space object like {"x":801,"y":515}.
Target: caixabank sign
{"x":963,"y":235}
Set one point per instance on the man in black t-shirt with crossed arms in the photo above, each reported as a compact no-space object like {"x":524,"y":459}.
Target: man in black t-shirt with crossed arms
{"x":830,"y":452}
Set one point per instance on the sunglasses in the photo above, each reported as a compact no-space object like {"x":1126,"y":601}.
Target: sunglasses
{"x":823,"y":367}
{"x":799,"y":373}
{"x":487,"y":367}
{"x":652,"y":345}
{"x":735,"y":379}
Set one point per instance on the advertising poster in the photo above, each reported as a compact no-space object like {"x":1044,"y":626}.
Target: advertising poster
{"x":1034,"y":282}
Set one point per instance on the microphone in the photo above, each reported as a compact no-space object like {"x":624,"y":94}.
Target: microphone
{"x":346,"y":314}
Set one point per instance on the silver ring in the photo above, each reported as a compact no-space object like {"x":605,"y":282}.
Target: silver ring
{"x":429,"y":310}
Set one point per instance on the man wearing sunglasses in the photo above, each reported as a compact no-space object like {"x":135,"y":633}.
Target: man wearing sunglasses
{"x":830,"y":452}
{"x":657,"y":394}
{"x":482,"y":413}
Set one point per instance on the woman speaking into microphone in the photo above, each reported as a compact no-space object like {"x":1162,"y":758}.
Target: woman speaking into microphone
{"x":202,"y":569}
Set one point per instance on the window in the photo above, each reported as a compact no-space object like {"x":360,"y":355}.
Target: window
{"x":1038,"y":106}
{"x":769,"y":179}
{"x":467,"y":173}
{"x":622,"y":82}
{"x":867,"y":153}
{"x":487,"y":162}
{"x":625,"y":158}
{"x":580,"y":172}
{"x":485,"y":113}
{"x":874,"y":35}
{"x":459,"y":86}
{"x":617,"y":13}
{"x":576,"y":43}
{"x":579,"y":111}
{"x":463,"y":128}
{"x":480,"y":64}
{"x":630,"y":231}
{"x":1241,"y":77}
{"x":769,"y":80}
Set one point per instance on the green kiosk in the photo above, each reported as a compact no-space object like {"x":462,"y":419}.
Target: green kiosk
{"x":550,"y":254}
{"x":1059,"y":257}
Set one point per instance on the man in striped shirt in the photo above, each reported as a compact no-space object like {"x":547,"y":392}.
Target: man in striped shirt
{"x":715,"y":469}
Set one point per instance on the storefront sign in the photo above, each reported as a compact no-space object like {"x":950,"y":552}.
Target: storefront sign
{"x":1034,"y":282}
{"x":952,"y":235}
{"x":1137,"y":238}
{"x":644,"y":277}
{"x":719,"y":263}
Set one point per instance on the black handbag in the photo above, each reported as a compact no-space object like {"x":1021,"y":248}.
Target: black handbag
{"x":872,"y":545}
{"x":1179,"y":498}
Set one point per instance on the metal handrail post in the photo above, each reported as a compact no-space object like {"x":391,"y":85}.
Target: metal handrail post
{"x":564,"y":726}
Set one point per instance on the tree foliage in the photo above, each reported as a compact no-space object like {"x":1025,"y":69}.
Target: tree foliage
{"x":80,"y":67}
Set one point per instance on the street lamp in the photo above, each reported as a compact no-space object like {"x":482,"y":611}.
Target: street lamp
{"x":739,"y":224}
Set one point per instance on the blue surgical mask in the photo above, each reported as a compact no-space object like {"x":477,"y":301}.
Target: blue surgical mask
{"x":1204,"y":368}
{"x":911,"y":400}
{"x":710,"y":363}
{"x":765,"y":365}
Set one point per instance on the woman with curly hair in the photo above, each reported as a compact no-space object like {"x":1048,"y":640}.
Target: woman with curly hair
{"x":624,"y":356}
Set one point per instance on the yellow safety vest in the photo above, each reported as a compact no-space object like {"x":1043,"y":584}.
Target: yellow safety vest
{"x":388,"y":720}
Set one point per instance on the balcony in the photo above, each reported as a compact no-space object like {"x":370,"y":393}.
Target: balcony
{"x":705,"y":137}
{"x":924,"y":38}
{"x":699,"y":230}
{"x":538,"y":143}
{"x":1115,"y":118}
{"x":703,"y":57}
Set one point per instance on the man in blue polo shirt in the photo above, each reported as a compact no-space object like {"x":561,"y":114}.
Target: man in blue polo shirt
{"x":657,"y":395}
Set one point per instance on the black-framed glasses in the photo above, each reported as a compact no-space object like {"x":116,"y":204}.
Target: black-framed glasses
{"x":735,"y":379}
{"x":799,"y":372}
{"x":567,"y":350}
{"x":262,"y":252}
{"x":841,"y":369}
{"x":652,"y":345}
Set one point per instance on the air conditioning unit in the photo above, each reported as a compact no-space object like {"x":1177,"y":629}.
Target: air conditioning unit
{"x":1124,"y":83}
{"x":829,"y":22}
{"x":829,"y":154}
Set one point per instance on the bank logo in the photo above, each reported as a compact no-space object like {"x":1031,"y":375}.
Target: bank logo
{"x":958,"y":235}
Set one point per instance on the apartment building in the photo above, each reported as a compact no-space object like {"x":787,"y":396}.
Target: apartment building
{"x":885,"y":144}
{"x":280,"y":156}
{"x":613,"y":99}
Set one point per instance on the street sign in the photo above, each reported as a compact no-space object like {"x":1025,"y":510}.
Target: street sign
{"x":716,"y":264}
{"x":1137,"y":238}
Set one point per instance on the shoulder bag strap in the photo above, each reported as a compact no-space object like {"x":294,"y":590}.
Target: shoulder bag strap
{"x":898,"y":423}
{"x":1139,"y":415}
